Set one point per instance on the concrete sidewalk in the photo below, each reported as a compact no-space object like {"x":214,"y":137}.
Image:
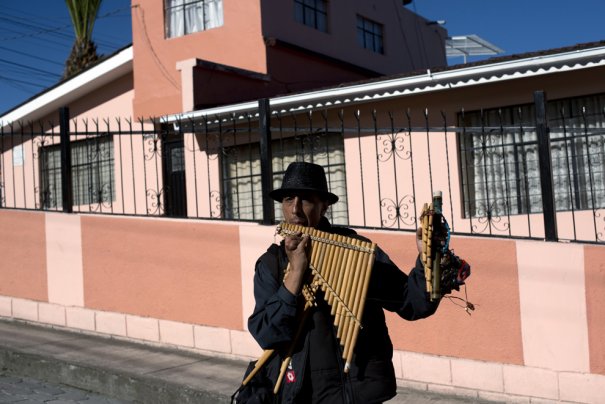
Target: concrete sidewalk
{"x":136,"y":372}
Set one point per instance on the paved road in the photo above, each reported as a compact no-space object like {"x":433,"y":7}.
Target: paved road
{"x":22,"y":390}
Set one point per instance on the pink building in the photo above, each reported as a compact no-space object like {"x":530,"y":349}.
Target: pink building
{"x":168,"y":212}
{"x":228,"y":51}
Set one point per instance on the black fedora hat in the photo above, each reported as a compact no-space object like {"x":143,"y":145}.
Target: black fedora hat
{"x":304,"y":177}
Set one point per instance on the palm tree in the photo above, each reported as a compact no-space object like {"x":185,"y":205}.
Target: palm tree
{"x":83,"y":14}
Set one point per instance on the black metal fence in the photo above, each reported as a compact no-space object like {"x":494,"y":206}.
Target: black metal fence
{"x":532,"y":171}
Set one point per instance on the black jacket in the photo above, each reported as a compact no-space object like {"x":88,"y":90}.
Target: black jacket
{"x":316,"y":374}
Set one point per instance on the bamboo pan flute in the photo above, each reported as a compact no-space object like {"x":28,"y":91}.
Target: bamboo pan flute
{"x":341,"y":267}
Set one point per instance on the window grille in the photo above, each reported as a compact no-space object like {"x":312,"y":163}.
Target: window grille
{"x":92,"y":163}
{"x":183,"y":17}
{"x":241,"y":176}
{"x":499,"y":161}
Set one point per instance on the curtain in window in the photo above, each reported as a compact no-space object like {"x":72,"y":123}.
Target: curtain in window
{"x":578,"y":152}
{"x":327,"y":150}
{"x":242,"y":191}
{"x":194,"y":14}
{"x":500,"y":164}
{"x":213,"y":13}
{"x":92,"y":173}
{"x":50,"y":176}
{"x":175,"y":18}
{"x":188,"y":16}
{"x":500,"y":167}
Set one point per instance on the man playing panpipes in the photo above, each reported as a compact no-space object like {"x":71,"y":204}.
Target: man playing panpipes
{"x":316,"y":371}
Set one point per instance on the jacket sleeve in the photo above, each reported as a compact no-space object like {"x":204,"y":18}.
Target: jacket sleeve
{"x":398,"y":292}
{"x":273,"y":320}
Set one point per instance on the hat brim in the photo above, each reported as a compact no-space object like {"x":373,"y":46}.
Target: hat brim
{"x":279,"y":194}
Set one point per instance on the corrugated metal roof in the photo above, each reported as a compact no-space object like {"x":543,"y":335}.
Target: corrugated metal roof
{"x":489,"y":71}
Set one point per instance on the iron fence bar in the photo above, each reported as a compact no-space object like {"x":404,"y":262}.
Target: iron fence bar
{"x":409,"y":119}
{"x":75,"y":134}
{"x":422,"y":129}
{"x":98,"y":192}
{"x":449,"y":177}
{"x":34,"y":136}
{"x":324,"y":116}
{"x":160,"y":192}
{"x":569,"y":174}
{"x":250,"y":160}
{"x":525,"y":171}
{"x":22,"y":145}
{"x":144,"y":169}
{"x":544,"y":157}
{"x":487,"y":206}
{"x":119,"y":126}
{"x":66,"y":185}
{"x":134,"y":188}
{"x":466,"y":170}
{"x":221,"y":151}
{"x":380,"y":201}
{"x":341,"y":118}
{"x":428,"y":146}
{"x":90,"y":171}
{"x":111,"y":166}
{"x":590,"y":174}
{"x":193,"y":153}
{"x":55,"y":169}
{"x":208,"y":166}
{"x":363,"y":196}
{"x":13,"y":166}
{"x":507,"y":190}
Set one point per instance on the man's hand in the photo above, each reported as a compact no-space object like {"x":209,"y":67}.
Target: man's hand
{"x":297,"y":247}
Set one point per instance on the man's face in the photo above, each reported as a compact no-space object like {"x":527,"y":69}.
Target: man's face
{"x":303,"y":208}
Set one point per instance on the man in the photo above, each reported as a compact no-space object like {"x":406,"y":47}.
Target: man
{"x":315,"y":374}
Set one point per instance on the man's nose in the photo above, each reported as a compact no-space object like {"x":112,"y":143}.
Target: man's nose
{"x":296,"y":205}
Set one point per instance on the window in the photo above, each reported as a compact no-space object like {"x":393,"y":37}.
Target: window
{"x":242,"y":193}
{"x":312,"y":13}
{"x":499,"y":158}
{"x":184,"y":17}
{"x":92,"y":173}
{"x":369,"y":34}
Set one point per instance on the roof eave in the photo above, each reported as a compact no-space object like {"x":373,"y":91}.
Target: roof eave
{"x":79,"y":86}
{"x":428,"y":82}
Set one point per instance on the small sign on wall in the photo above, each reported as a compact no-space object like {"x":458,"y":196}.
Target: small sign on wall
{"x":18,"y":158}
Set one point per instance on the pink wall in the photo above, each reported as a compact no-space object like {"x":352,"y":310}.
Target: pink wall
{"x":237,"y":43}
{"x":23,"y":255}
{"x":594,"y":267}
{"x":404,"y":31}
{"x":240,"y":43}
{"x":493,"y":289}
{"x":536,"y":331}
{"x":176,"y":270}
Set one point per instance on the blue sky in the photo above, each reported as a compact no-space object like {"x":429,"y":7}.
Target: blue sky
{"x":36,"y":35}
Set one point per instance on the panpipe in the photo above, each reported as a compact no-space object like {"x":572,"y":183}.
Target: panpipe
{"x":340,"y":267}
{"x":432,"y":254}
